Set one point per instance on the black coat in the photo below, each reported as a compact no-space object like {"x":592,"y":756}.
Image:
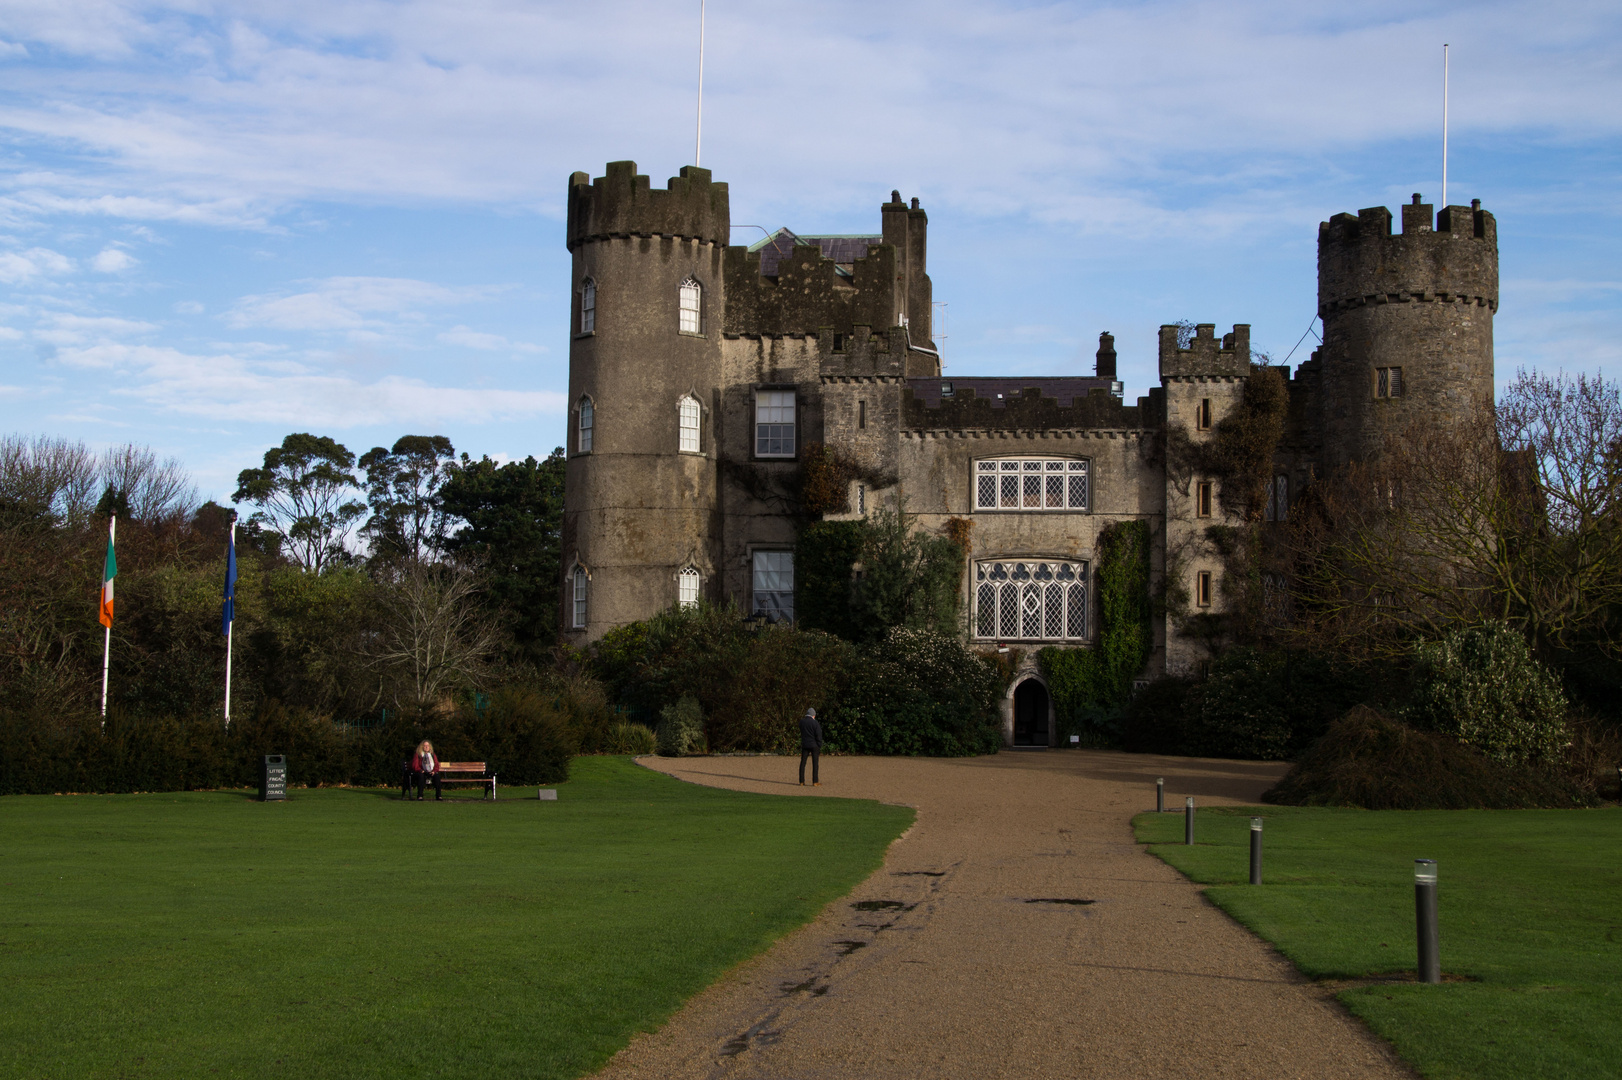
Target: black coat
{"x":810,"y":733}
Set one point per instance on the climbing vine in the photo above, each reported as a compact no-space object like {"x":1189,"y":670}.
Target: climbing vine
{"x":1090,"y":687}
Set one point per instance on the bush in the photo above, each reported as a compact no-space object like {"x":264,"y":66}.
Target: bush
{"x":917,"y":692}
{"x":1369,"y":760}
{"x":1156,"y":717}
{"x":630,"y":737}
{"x":681,"y":728}
{"x":1255,"y":705}
{"x":1482,"y":687}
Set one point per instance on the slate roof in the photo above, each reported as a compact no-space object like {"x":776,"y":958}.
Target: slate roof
{"x":780,"y":245}
{"x":1065,"y":388}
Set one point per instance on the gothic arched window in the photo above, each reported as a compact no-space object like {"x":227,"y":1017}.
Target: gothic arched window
{"x":588,"y":306}
{"x":687,"y":587}
{"x":579,"y":596}
{"x":692,"y":294}
{"x":687,"y":416}
{"x":583,"y":441}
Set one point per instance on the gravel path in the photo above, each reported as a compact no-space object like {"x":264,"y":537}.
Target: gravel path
{"x":955,"y":960}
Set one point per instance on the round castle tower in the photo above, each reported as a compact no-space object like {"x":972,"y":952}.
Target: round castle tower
{"x":647,"y":299}
{"x":1407,"y":322}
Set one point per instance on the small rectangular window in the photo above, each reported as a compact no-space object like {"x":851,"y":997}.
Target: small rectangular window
{"x":839,"y":343}
{"x":1202,"y":499}
{"x":861,"y":414}
{"x":1277,"y":506}
{"x":1202,"y":588}
{"x":1202,"y":415}
{"x":583,"y":443}
{"x":774,"y":585}
{"x":774,"y":423}
{"x":1396,"y":382}
{"x":1388,"y":382}
{"x":861,"y":498}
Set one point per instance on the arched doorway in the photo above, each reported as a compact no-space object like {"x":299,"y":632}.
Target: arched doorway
{"x":1031,"y":714}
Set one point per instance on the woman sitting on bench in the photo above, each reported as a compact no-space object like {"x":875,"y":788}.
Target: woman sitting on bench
{"x":425,"y":764}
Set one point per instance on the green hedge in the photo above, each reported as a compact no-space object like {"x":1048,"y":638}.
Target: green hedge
{"x":522,"y":734}
{"x":917,"y":692}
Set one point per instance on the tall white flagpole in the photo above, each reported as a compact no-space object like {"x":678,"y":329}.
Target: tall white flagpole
{"x":230,"y":629}
{"x":698,"y":136}
{"x":1444,"y":126}
{"x":107,"y":641}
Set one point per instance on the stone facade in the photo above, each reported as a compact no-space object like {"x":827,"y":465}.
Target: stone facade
{"x":699,"y":373}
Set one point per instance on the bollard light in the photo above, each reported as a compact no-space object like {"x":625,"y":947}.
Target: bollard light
{"x":1430,"y":956}
{"x":1160,"y":794}
{"x":1255,"y":851}
{"x":1188,"y":820}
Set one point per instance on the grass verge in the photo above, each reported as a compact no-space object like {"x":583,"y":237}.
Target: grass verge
{"x":345,"y":933}
{"x":1530,"y":916}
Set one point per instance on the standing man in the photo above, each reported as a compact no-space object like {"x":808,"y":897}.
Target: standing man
{"x":810,"y":746}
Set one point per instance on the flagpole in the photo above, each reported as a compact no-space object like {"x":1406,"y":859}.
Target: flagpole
{"x":698,"y":136}
{"x":230,"y":629}
{"x":1444,"y":126}
{"x":107,"y":641}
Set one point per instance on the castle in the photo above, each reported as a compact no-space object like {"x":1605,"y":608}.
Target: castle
{"x":700,"y":372}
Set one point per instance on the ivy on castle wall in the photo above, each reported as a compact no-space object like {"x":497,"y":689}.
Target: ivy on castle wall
{"x":1090,"y":687}
{"x":1239,"y":457}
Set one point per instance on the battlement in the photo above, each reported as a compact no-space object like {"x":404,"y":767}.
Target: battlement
{"x":1205,"y":355}
{"x":1450,"y":257}
{"x":1025,"y":404}
{"x":1374,"y":223}
{"x":622,"y":203}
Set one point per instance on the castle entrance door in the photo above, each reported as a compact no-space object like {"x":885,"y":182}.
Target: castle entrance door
{"x":1030,"y":714}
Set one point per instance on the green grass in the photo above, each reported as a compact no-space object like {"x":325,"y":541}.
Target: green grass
{"x":344,"y":933}
{"x":1530,"y":914}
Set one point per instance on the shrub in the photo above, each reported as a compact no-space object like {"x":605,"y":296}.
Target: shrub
{"x":1156,"y":717}
{"x":681,"y":728}
{"x":917,"y":692}
{"x":1482,"y":687}
{"x":1369,"y":760}
{"x":630,"y":737}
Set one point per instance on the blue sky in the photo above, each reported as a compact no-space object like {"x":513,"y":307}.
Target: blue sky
{"x":222,"y":222}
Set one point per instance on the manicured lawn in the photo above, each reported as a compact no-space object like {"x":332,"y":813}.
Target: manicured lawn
{"x":1530,"y":912}
{"x":347,"y":934}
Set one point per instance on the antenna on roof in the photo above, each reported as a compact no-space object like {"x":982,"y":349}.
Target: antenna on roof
{"x":698,"y":136}
{"x":1444,"y":125}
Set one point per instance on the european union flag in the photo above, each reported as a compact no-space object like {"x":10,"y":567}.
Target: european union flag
{"x":230,"y":610}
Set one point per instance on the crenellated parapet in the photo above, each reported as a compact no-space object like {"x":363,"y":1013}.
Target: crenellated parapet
{"x":1205,"y":356}
{"x":623,"y":204}
{"x":1037,"y":407}
{"x":1448,"y":258}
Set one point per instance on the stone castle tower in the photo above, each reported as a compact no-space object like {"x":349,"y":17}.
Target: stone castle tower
{"x":1407,"y":322}
{"x":644,"y":350}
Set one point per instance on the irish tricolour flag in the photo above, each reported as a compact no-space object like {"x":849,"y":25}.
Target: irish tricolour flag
{"x":107,"y":576}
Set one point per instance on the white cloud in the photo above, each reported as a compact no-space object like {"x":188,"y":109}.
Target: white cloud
{"x":228,"y":387}
{"x":188,"y":307}
{"x":112,"y":261}
{"x":9,"y":334}
{"x":62,"y":329}
{"x":19,"y":267}
{"x":469,"y":338}
{"x":347,"y":303}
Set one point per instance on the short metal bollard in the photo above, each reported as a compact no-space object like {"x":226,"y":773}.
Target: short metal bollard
{"x":1255,"y":851}
{"x":1188,"y":821}
{"x":1160,"y":795}
{"x":1430,"y":954}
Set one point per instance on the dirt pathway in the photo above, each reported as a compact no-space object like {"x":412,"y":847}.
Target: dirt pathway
{"x":964,"y":957}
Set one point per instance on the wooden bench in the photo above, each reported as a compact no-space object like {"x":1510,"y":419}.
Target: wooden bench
{"x":468,"y":772}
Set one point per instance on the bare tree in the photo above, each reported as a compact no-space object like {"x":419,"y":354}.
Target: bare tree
{"x":435,"y":634}
{"x":154,"y":490}
{"x":1508,"y":516}
{"x":48,"y":476}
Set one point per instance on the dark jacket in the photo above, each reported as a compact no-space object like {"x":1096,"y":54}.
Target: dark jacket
{"x":810,"y":733}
